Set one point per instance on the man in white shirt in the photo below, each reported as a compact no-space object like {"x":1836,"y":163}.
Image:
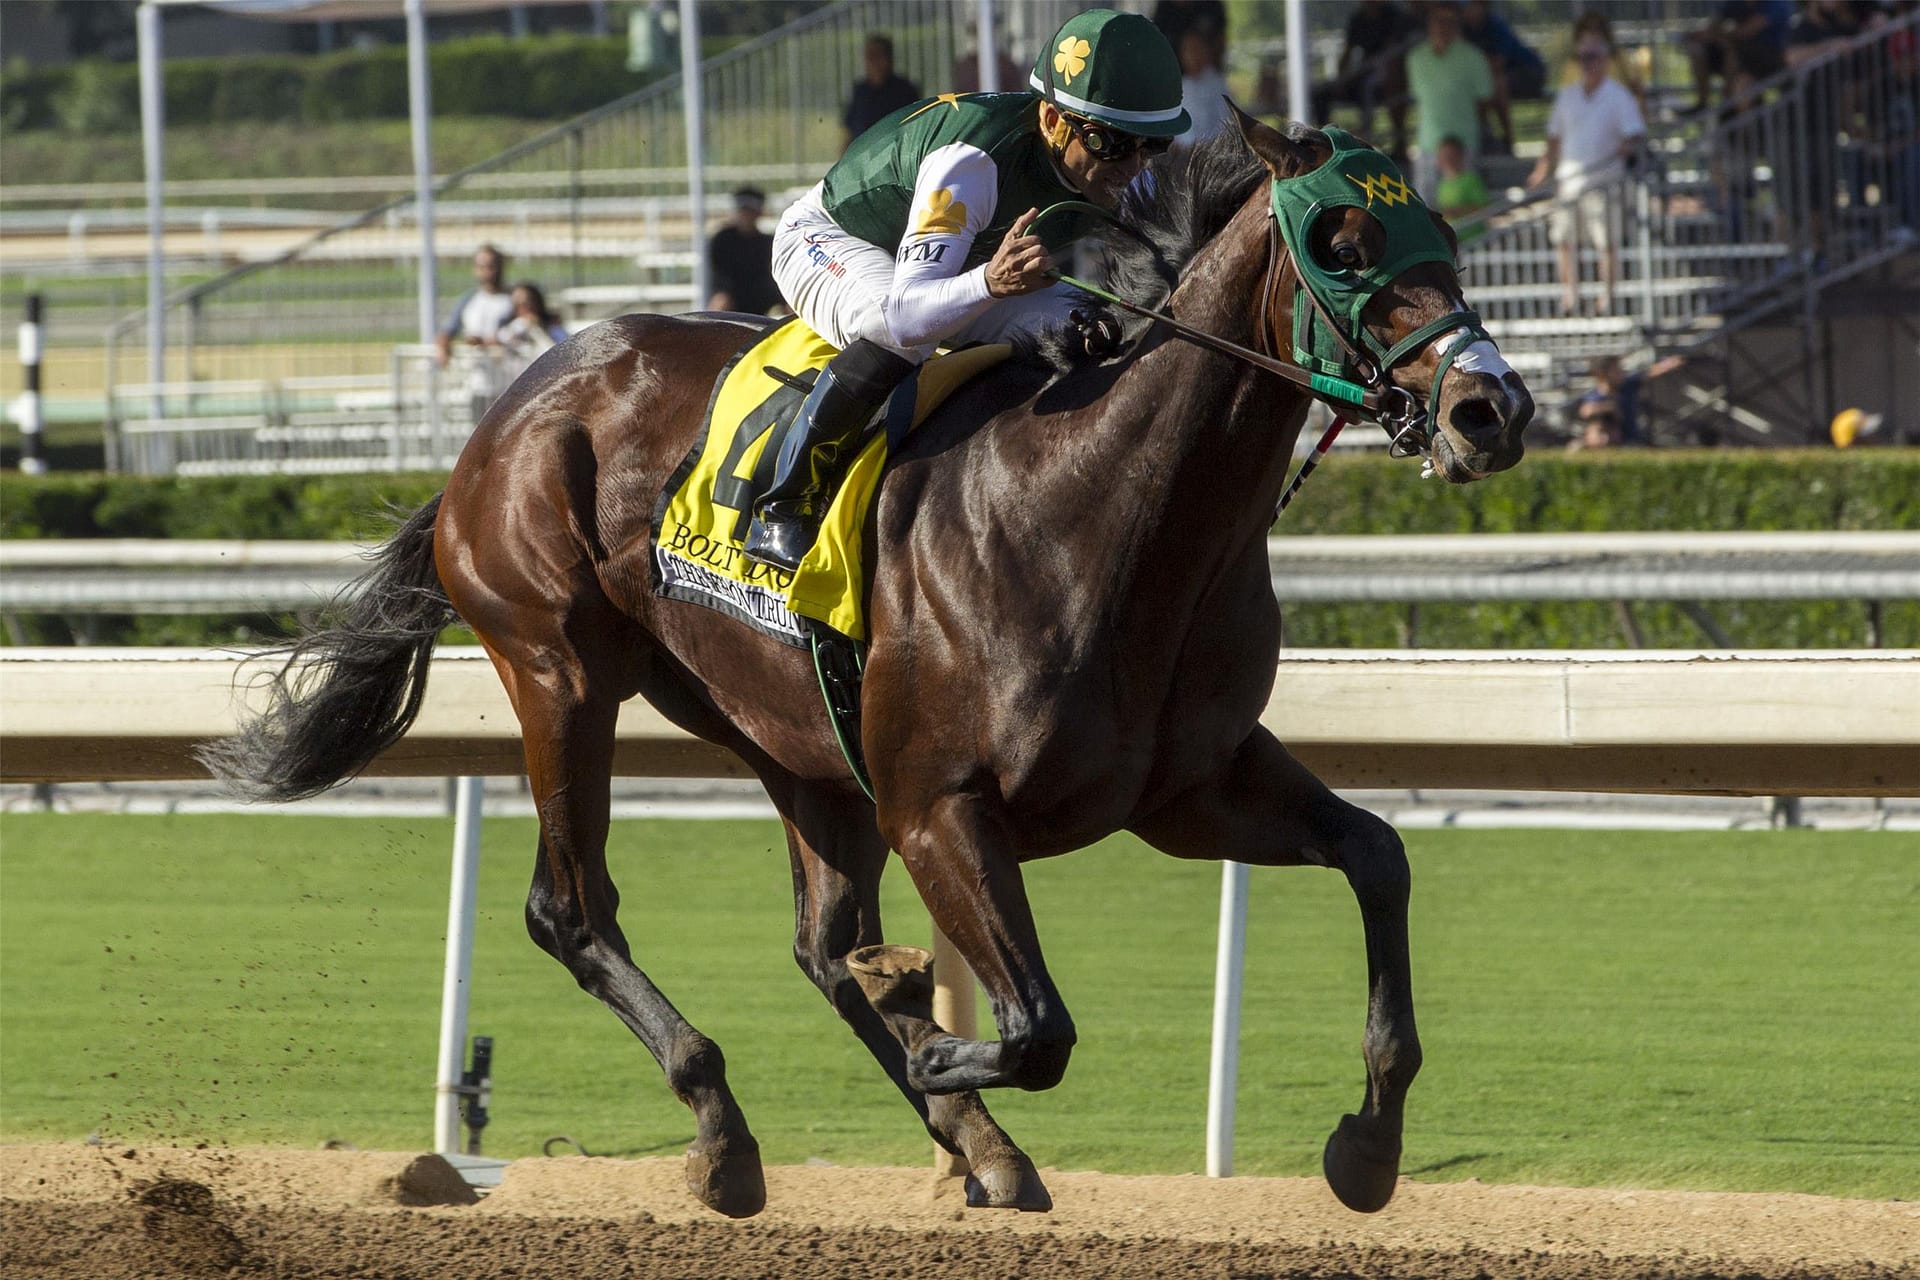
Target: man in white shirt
{"x":475,"y":322}
{"x":1203,"y":86}
{"x":1595,"y":128}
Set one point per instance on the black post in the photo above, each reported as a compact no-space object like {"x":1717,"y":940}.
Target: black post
{"x":476,"y":1084}
{"x":32,"y":462}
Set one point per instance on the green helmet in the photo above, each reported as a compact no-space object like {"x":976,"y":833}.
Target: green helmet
{"x":1115,"y":68}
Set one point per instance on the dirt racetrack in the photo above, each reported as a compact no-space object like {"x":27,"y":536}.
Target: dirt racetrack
{"x":108,"y":1213}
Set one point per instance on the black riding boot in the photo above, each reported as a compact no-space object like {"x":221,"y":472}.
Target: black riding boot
{"x":817,"y":447}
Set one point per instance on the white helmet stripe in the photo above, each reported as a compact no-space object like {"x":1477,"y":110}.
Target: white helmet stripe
{"x":1098,"y":112}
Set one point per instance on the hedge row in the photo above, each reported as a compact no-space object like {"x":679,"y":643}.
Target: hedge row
{"x":1717,"y":491}
{"x":541,"y":77}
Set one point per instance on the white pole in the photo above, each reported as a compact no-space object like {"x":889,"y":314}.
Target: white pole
{"x":1299,"y":97}
{"x":153,"y":122}
{"x":420,"y":109}
{"x":1223,"y":1072}
{"x":989,"y":50}
{"x":457,"y":980}
{"x":953,"y":1009}
{"x":1230,"y":962}
{"x":695,"y":110}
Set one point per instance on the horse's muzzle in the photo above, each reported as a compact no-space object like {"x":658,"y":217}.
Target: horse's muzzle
{"x":1480,"y":427}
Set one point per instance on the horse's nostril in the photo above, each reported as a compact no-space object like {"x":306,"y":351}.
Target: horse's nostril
{"x":1475,"y":417}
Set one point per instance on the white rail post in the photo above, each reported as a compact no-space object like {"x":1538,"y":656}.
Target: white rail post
{"x":420,"y":110}
{"x":1299,"y":73}
{"x":988,"y":50}
{"x":153,"y":106}
{"x":694,"y":92}
{"x":420,"y":113}
{"x":1230,"y":962}
{"x":1223,"y":1068}
{"x":953,"y":1009}
{"x":456,"y":984}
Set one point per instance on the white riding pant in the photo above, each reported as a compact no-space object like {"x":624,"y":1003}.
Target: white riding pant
{"x":840,"y":285}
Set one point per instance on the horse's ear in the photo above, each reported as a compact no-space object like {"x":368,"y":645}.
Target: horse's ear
{"x":1287,"y":158}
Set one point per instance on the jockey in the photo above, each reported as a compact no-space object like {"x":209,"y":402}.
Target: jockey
{"x":920,"y":236}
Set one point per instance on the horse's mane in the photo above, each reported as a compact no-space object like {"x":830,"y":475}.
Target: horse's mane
{"x":1185,"y":199}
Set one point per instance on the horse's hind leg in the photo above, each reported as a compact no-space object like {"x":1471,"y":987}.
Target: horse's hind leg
{"x":1265,"y":808}
{"x":571,"y":914}
{"x":838,"y":856}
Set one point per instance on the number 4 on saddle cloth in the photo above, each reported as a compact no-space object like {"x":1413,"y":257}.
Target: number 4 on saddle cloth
{"x":703,"y":514}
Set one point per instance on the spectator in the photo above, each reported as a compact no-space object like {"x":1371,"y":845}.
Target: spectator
{"x":1452,"y":87}
{"x":880,"y":93}
{"x":1518,"y":72}
{"x":1599,"y":426}
{"x":475,"y":322}
{"x":1203,"y":86}
{"x":1595,"y":129}
{"x":740,"y":259}
{"x":1373,"y":69}
{"x":532,"y":330}
{"x":1744,"y":44}
{"x":1616,"y":395}
{"x":1209,"y":17}
{"x":1460,"y":190}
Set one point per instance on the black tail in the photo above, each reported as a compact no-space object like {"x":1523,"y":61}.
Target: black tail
{"x":348,"y":691}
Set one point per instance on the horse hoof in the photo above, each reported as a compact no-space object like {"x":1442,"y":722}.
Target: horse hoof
{"x":727,"y":1178}
{"x":895,"y":979}
{"x":1361,"y":1175}
{"x":1008,"y":1183}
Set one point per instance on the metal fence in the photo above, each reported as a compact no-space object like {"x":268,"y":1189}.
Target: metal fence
{"x":413,"y":417}
{"x":594,"y":211}
{"x":1826,"y":166}
{"x":1816,"y":181}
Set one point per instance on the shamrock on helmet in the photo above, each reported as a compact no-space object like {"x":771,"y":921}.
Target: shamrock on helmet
{"x":1115,"y":69}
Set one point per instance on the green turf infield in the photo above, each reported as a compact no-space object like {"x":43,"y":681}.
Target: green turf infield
{"x":1706,"y":1010}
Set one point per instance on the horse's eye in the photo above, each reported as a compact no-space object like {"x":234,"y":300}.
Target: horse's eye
{"x":1347,"y":255}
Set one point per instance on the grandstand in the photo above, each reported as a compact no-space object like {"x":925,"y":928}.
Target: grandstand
{"x":301,"y":352}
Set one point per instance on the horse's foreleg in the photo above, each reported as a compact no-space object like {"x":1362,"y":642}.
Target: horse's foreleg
{"x":838,"y":856}
{"x":1264,"y":808}
{"x":571,"y":914}
{"x":965,"y":867}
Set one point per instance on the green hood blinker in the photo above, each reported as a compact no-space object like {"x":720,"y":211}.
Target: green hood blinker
{"x":1357,"y":176}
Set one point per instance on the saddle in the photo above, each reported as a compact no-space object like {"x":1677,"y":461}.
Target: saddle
{"x":701,"y":519}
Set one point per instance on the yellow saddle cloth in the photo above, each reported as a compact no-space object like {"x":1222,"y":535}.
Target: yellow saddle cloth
{"x":705,"y":508}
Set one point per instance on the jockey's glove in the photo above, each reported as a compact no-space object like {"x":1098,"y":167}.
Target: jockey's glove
{"x":1099,"y":331}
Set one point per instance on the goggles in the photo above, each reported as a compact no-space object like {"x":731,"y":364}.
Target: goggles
{"x":1104,"y":142}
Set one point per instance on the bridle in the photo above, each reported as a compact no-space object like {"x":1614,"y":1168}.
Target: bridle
{"x":1330,"y":335}
{"x":1340,"y":364}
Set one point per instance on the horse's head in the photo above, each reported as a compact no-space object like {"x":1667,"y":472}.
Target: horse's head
{"x":1372,"y":296}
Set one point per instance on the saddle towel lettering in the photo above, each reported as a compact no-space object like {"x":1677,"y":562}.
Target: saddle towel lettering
{"x":702,"y":518}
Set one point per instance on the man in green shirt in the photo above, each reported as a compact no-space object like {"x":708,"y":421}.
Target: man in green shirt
{"x":920,"y":236}
{"x":1452,"y":87}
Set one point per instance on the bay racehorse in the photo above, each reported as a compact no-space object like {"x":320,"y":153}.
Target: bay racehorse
{"x":1072,"y":634}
